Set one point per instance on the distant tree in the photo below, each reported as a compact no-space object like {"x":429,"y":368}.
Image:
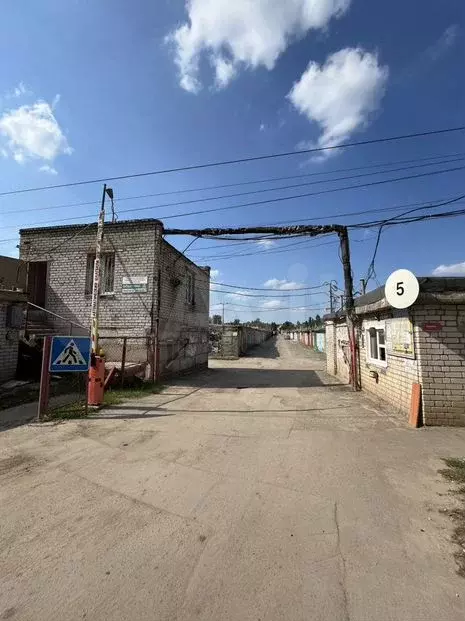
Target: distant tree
{"x":318,"y":321}
{"x":237,"y":322}
{"x":273,"y":326}
{"x":216,"y":320}
{"x":287,"y":325}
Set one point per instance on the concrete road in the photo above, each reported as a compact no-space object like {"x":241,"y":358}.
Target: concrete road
{"x":260,"y":490}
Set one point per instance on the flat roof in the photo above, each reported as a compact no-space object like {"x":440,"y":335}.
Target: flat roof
{"x":90,"y":225}
{"x":429,"y":286}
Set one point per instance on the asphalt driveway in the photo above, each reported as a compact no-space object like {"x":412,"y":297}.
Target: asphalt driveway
{"x":259,"y":490}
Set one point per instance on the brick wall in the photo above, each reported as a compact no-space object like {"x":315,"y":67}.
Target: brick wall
{"x":120,"y":313}
{"x":438,"y":363}
{"x":442,"y":360}
{"x":138,"y":247}
{"x":392,"y":383}
{"x":9,"y":340}
{"x":183,"y":330}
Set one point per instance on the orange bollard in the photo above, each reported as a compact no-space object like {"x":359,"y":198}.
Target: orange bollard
{"x":96,"y":381}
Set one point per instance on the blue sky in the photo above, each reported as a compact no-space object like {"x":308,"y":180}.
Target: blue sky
{"x":98,"y":89}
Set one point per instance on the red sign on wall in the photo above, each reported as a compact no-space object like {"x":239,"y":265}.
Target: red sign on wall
{"x":432,"y":326}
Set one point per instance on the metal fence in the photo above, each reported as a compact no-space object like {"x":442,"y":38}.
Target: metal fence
{"x":127,"y":356}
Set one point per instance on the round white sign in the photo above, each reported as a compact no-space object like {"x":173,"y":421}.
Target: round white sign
{"x":401,"y":289}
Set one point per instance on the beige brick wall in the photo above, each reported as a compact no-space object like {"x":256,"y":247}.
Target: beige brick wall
{"x":394,"y":382}
{"x":337,"y":349}
{"x":438,"y":365}
{"x":442,"y":359}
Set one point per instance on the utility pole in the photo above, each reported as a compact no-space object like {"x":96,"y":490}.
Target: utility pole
{"x":94,"y":309}
{"x":223,"y":314}
{"x":363,"y":286}
{"x":349,"y":299}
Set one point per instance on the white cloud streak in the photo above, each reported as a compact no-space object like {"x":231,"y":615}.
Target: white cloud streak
{"x":341,"y":94}
{"x":48,"y":169}
{"x":272,"y":304}
{"x":32,"y":132}
{"x":266,"y":243}
{"x":282,"y":285}
{"x":455,"y":269}
{"x":244,"y":34}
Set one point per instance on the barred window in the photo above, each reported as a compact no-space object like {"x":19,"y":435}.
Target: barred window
{"x":107,"y":272}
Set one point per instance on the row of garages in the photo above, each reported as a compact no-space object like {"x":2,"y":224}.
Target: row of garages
{"x":310,"y":338}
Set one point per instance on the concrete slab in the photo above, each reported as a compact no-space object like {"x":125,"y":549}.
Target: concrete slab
{"x":262,"y":489}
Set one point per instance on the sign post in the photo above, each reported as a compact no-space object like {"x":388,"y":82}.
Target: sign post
{"x":61,"y":354}
{"x":44,"y":378}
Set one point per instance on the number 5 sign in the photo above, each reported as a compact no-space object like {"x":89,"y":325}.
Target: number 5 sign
{"x":401,"y":289}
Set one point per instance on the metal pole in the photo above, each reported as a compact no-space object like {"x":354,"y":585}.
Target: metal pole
{"x":331,"y":306}
{"x":94,"y":311}
{"x":223,"y":314}
{"x":44,"y":378}
{"x":123,"y":358}
{"x":349,"y":300}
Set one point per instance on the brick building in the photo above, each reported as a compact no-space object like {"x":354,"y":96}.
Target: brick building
{"x":12,"y":305}
{"x":424,"y":344}
{"x":150,"y":292}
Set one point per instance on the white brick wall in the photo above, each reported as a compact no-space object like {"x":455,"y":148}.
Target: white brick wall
{"x":439,"y":364}
{"x":136,"y":250}
{"x":442,"y":360}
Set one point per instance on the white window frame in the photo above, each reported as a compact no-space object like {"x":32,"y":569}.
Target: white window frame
{"x":379,"y":327}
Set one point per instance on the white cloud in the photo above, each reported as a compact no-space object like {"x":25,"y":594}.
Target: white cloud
{"x":48,"y":169}
{"x":455,"y":269}
{"x":445,"y":41}
{"x":262,"y":127}
{"x":19,"y":90}
{"x":272,"y":304}
{"x":282,"y":285}
{"x":244,"y":33}
{"x":214,"y":274}
{"x":32,"y":132}
{"x":341,"y":94}
{"x":265,"y":243}
{"x":237,"y":295}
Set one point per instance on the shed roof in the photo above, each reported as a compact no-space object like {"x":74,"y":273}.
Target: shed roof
{"x":433,"y":289}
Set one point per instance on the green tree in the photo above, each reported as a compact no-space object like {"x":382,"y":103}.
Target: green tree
{"x":237,"y":322}
{"x":216,"y":320}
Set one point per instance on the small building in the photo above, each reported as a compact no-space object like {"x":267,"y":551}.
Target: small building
{"x":12,"y":274}
{"x":152,"y":297}
{"x":12,"y":307}
{"x":424,"y":344}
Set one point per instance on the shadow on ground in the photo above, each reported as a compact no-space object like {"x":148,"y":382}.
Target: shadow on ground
{"x":242,"y":378}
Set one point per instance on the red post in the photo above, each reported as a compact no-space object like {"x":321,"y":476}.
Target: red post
{"x":44,"y":378}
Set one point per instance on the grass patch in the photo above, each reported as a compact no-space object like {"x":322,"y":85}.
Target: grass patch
{"x":455,"y":472}
{"x":113,"y":396}
{"x":67,"y":412}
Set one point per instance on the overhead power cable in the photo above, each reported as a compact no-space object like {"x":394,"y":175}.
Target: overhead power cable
{"x":446,"y":159}
{"x":268,"y":289}
{"x":358,"y":143}
{"x":264,"y":202}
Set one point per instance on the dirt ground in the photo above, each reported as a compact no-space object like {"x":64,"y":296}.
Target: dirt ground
{"x":260,"y":490}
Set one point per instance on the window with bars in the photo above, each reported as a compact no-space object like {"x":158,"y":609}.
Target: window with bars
{"x":107,"y":273}
{"x":376,"y":346}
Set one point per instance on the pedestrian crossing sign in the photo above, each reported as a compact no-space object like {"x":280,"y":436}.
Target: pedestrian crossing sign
{"x":70,"y":353}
